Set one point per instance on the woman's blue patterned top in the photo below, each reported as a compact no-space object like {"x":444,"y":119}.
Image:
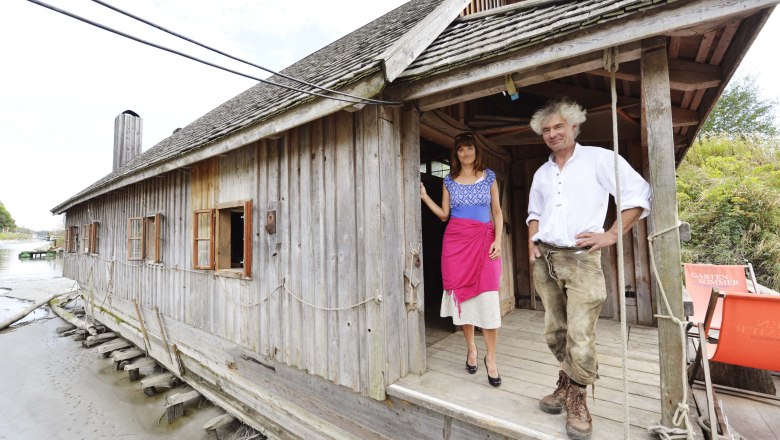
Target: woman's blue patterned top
{"x":471,"y":201}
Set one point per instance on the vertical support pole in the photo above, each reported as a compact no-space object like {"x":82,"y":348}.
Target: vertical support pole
{"x":657,"y":132}
{"x":373,"y":343}
{"x":143,"y":328}
{"x":414,"y":289}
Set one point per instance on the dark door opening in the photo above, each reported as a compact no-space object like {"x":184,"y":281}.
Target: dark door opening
{"x":434,"y":165}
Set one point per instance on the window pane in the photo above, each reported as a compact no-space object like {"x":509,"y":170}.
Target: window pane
{"x":135,"y":228}
{"x":85,"y":239}
{"x":204,"y":224}
{"x":203,"y":253}
{"x":440,"y":169}
{"x":135,"y":249}
{"x":95,"y":236}
{"x":151,"y":234}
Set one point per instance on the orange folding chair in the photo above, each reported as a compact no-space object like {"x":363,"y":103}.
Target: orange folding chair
{"x":700,"y":279}
{"x":749,"y":336}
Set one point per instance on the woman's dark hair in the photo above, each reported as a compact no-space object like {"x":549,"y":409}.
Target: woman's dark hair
{"x":462,"y":139}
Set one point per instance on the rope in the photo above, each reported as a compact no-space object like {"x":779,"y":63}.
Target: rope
{"x":611,"y":64}
{"x":680,"y":417}
{"x":82,"y":259}
{"x":377,"y":298}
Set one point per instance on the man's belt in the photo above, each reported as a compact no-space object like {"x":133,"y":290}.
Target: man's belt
{"x":562,"y":248}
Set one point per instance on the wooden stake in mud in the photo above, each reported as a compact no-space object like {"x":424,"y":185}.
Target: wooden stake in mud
{"x":163,"y":335}
{"x":179,"y":363}
{"x":143,"y":327}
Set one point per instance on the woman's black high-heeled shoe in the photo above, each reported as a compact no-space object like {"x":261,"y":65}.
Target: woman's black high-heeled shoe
{"x":472,"y":369}
{"x":495,"y":381}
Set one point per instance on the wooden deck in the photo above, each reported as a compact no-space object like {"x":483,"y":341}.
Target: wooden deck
{"x":529,"y":371}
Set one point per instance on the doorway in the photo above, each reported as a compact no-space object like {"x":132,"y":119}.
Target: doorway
{"x":434,"y":166}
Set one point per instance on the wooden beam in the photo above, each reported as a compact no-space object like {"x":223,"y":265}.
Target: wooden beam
{"x":659,"y":137}
{"x":741,"y":41}
{"x":586,"y":97}
{"x":681,"y":117}
{"x":593,"y":132}
{"x":683,"y":75}
{"x":524,"y":78}
{"x":676,"y":16}
{"x":448,"y":127}
{"x":413,"y":42}
{"x":435,"y":136}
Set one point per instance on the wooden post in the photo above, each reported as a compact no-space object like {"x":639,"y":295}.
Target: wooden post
{"x":657,"y":132}
{"x":143,"y":327}
{"x":414,"y":297}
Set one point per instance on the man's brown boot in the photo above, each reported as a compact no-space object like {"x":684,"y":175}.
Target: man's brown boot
{"x":553,"y":403}
{"x":578,"y":422}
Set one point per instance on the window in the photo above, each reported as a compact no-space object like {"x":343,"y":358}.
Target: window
{"x":85,"y":239}
{"x":152,"y":238}
{"x":203,"y":239}
{"x":435,"y":168}
{"x":72,"y":240}
{"x":223,"y":239}
{"x":143,"y":238}
{"x":94,"y":237}
{"x":135,"y":238}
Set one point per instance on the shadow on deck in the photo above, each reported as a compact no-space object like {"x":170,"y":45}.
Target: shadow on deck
{"x":529,"y":371}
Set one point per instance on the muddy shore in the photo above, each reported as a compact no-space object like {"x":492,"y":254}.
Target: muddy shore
{"x":52,"y":388}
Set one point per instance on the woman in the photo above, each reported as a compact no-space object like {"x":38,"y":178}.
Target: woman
{"x":471,"y":250}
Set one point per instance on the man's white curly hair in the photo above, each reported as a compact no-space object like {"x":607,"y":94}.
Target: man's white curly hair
{"x":569,"y":110}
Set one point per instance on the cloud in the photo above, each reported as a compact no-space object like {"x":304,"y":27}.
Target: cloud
{"x":63,"y":82}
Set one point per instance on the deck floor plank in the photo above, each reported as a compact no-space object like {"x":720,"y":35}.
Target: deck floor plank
{"x":529,"y":371}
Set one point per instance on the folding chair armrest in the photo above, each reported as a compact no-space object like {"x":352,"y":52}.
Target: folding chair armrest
{"x":711,"y":309}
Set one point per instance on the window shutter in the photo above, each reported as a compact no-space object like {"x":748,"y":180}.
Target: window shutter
{"x":248,"y":238}
{"x":157,"y":249}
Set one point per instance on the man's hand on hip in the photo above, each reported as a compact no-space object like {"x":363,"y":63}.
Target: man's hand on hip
{"x":596,"y":240}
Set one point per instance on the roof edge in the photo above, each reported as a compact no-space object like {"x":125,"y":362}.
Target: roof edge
{"x":396,"y":58}
{"x":679,"y":16}
{"x":367,"y":87}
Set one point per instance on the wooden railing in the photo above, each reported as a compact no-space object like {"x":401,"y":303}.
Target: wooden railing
{"x":483,"y":5}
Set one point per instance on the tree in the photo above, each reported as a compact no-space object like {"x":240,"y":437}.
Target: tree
{"x":729,"y":191}
{"x":6,"y":221}
{"x":741,"y":110}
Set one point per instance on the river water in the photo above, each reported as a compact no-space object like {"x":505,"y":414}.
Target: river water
{"x":15,"y":272}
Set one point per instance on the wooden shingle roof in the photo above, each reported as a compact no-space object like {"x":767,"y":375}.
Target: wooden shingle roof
{"x":503,"y":30}
{"x":343,"y":62}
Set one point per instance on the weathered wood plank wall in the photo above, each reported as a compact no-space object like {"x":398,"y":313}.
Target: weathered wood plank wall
{"x":336,"y":186}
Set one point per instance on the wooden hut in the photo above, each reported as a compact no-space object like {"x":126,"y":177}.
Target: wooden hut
{"x":281,"y":240}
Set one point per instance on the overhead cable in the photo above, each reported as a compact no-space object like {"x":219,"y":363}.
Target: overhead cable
{"x":360,"y":101}
{"x":282,"y":75}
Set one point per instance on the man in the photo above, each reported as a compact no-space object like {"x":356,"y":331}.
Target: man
{"x":566,"y":211}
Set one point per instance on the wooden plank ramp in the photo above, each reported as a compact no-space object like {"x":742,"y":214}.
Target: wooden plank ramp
{"x":529,"y":371}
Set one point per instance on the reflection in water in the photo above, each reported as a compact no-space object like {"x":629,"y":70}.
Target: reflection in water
{"x":11,"y":267}
{"x":12,"y":306}
{"x":13,"y":270}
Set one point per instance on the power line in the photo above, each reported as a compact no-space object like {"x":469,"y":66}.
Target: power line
{"x":176,"y":52}
{"x":185,"y":38}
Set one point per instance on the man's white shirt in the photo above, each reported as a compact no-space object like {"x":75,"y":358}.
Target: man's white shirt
{"x":573,"y":200}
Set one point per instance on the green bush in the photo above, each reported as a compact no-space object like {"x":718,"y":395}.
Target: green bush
{"x":729,"y":191}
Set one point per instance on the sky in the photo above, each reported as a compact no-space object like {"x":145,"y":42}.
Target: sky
{"x":63,"y":82}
